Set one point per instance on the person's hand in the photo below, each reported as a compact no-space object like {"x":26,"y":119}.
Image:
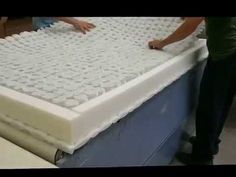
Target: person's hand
{"x":156,"y":44}
{"x":83,"y":26}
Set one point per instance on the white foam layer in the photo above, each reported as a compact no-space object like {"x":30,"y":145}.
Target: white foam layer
{"x":68,"y":87}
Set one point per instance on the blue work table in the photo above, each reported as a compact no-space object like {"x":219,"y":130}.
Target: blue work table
{"x":150,"y":135}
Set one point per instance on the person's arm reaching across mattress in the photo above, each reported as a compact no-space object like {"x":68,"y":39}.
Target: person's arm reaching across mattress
{"x":78,"y":24}
{"x":188,"y":27}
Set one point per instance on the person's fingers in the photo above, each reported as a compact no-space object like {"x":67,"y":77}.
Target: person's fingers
{"x":150,"y":45}
{"x":82,"y":29}
{"x":86,"y":28}
{"x":90,"y":26}
{"x":93,"y":26}
{"x":158,"y":48}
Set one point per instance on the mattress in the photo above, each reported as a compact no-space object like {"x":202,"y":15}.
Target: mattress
{"x":63,"y":87}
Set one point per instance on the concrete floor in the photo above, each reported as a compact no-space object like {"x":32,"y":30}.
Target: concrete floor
{"x":227,"y":153}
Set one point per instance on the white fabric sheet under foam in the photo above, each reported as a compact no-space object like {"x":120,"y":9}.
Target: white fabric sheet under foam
{"x":64,"y":87}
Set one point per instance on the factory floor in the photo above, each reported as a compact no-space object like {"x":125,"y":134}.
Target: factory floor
{"x":227,"y":153}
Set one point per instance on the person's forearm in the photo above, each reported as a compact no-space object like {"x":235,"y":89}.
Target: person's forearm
{"x":187,"y":28}
{"x":69,"y":20}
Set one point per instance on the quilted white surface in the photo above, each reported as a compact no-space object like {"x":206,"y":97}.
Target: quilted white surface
{"x":68,"y":68}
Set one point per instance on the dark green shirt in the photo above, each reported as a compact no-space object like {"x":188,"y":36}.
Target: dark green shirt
{"x":221,"y":36}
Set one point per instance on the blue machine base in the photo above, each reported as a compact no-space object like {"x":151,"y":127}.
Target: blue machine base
{"x":150,"y":135}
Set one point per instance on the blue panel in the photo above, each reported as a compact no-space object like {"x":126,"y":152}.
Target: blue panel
{"x":139,"y":138}
{"x":164,"y":154}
